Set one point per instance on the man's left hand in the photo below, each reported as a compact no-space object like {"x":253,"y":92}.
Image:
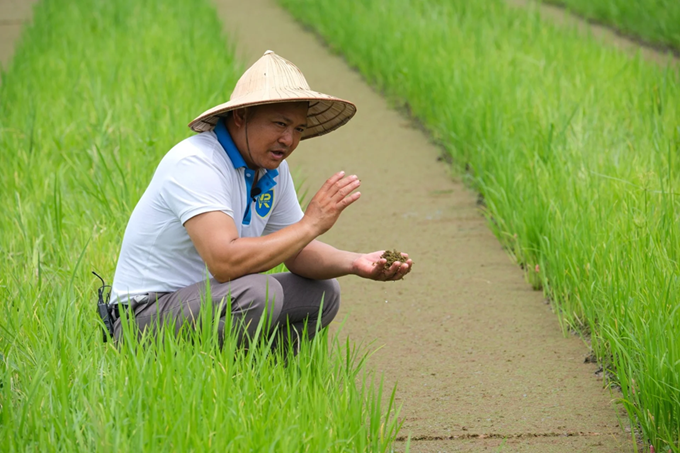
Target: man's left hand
{"x":372,"y":266}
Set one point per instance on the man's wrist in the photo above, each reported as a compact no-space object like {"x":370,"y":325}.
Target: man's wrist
{"x":353,"y":268}
{"x":309,"y":228}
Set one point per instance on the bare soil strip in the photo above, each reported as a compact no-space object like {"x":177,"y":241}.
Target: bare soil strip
{"x":13,"y":15}
{"x":663,"y":49}
{"x":610,"y":35}
{"x":477,"y":355}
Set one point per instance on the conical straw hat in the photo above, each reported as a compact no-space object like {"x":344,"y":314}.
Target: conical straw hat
{"x":273,"y":79}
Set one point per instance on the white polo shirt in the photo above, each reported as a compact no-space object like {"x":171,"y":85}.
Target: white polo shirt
{"x":203,"y":173}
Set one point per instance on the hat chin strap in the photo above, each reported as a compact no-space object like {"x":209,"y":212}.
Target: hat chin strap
{"x":247,"y":142}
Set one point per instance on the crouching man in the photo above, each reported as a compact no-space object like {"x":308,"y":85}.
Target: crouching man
{"x":224,"y":200}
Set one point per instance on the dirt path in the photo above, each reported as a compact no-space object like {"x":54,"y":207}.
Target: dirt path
{"x":13,"y":14}
{"x":478,"y":356}
{"x":560,"y":15}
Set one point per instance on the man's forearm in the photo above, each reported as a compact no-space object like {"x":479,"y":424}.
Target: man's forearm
{"x":320,"y":261}
{"x":257,"y":254}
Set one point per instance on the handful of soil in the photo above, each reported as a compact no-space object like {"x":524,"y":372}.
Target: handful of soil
{"x":393,"y":256}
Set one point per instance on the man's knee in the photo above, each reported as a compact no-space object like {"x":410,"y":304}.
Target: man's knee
{"x":262,"y":296}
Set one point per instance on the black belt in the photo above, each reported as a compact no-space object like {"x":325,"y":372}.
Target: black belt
{"x":129,"y":305}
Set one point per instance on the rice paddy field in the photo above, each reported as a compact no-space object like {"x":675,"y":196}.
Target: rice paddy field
{"x":96,"y":94}
{"x":573,"y":146}
{"x":654,"y":21}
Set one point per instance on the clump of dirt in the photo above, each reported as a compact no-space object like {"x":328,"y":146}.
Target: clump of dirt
{"x":392,"y":256}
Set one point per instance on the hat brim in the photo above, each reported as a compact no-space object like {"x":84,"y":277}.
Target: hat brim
{"x":326,"y":113}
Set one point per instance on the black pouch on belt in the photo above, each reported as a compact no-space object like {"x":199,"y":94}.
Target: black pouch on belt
{"x":104,"y":308}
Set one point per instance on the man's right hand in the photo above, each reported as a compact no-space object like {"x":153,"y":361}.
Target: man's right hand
{"x":334,"y":196}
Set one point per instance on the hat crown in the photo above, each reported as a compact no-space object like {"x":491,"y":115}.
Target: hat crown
{"x":271,"y":75}
{"x":273,"y":79}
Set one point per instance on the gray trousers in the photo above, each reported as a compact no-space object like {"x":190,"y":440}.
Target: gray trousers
{"x":287,"y":299}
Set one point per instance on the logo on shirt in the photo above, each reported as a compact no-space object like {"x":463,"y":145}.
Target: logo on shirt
{"x":264,"y":203}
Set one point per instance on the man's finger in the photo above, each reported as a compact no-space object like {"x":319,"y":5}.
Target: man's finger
{"x":380,"y":263}
{"x":404,"y":269}
{"x":340,"y":185}
{"x":392,"y":270}
{"x":332,"y":180}
{"x":346,"y":189}
{"x":348,"y":200}
{"x":398,"y":270}
{"x":334,"y":184}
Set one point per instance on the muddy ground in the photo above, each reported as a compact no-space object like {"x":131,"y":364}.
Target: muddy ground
{"x":479,"y":359}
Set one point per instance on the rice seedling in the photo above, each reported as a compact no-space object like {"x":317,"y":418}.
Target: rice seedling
{"x":96,"y":94}
{"x":573,"y":146}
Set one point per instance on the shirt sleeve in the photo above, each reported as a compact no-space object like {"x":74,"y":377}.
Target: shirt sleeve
{"x":195,"y":186}
{"x":287,"y":210}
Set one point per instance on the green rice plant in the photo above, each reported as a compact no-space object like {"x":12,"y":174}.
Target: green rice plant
{"x":654,"y":21}
{"x":96,"y":94}
{"x":574,"y":147}
{"x":169,"y":394}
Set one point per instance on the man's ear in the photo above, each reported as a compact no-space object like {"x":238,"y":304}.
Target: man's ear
{"x":239,"y":116}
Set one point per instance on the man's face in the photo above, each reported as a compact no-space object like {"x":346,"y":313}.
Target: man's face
{"x":274,"y":131}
